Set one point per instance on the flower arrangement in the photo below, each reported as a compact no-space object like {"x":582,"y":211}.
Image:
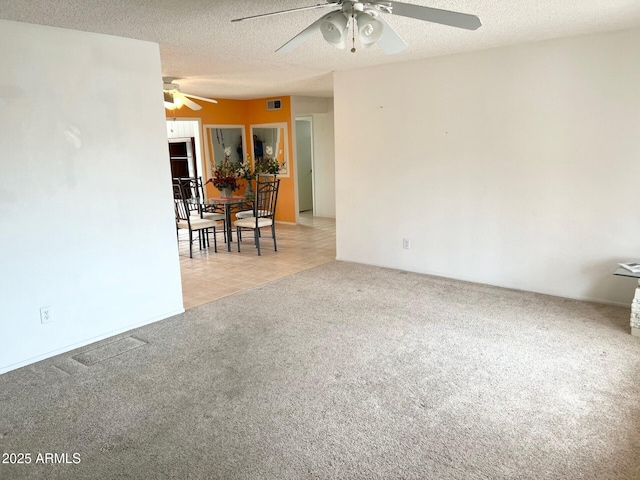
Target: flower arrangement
{"x":244,"y":171}
{"x":268,"y":163}
{"x":225,"y":175}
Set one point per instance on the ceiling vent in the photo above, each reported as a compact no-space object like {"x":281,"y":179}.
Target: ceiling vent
{"x":274,"y":104}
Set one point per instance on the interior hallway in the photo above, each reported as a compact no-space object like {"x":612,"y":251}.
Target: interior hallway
{"x":209,"y":276}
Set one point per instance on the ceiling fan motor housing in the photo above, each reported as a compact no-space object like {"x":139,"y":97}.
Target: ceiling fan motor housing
{"x":171,"y":87}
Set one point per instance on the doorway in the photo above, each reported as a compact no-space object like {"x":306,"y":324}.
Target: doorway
{"x":185,"y":141}
{"x":182,"y":157}
{"x":304,"y":155}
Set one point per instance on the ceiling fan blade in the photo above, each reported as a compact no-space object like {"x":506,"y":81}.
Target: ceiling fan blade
{"x":204,"y":99}
{"x":444,"y":17}
{"x":390,"y":42}
{"x":303,"y":36}
{"x":312,"y":7}
{"x":185,"y":101}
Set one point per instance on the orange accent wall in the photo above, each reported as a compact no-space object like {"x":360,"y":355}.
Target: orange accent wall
{"x":247,"y":113}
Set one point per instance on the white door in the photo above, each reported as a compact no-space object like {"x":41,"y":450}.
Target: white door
{"x":304,"y":154}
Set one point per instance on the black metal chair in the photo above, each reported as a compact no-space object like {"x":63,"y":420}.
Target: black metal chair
{"x":247,"y":210}
{"x":209,"y":212}
{"x":193,"y":191}
{"x":185,"y":219}
{"x":264,"y":209}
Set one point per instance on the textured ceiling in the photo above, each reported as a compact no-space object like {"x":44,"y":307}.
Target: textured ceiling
{"x":219,"y":59}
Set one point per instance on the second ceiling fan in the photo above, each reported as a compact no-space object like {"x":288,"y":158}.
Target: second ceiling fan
{"x":366,"y":18}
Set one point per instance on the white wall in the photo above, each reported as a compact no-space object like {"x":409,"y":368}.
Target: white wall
{"x":324,"y":164}
{"x":321,"y":111}
{"x":86,"y":213}
{"x":515,"y":167}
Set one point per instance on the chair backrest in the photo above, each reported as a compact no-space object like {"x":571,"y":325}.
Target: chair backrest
{"x":181,"y":203}
{"x":193,"y":192}
{"x":198,"y":188}
{"x":187,"y":184}
{"x":266,"y":196}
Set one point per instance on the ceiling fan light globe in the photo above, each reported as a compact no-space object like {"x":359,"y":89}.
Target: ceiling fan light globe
{"x":177,"y":101}
{"x":334,"y":28}
{"x":369,"y":29}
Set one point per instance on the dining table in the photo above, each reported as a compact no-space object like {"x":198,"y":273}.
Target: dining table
{"x":230,"y":205}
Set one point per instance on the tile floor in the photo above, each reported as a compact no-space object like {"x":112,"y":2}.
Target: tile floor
{"x":209,"y":275}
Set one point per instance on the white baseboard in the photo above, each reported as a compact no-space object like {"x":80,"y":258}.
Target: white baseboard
{"x":68,"y":348}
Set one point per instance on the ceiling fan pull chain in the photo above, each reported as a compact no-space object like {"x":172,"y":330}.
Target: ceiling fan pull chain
{"x":353,"y":29}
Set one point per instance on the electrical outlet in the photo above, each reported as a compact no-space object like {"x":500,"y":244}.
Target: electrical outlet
{"x":46,"y":315}
{"x":406,"y":243}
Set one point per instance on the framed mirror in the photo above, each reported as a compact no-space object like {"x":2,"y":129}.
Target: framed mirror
{"x":224,"y":140}
{"x":270,"y":140}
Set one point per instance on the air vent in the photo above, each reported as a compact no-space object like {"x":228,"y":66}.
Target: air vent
{"x":274,"y":104}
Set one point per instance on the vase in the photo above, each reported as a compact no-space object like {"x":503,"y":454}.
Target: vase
{"x":226,"y":192}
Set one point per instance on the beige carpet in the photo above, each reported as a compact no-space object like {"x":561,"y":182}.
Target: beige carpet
{"x":342,"y":371}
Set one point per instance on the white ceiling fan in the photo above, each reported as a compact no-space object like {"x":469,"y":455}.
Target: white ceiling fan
{"x":366,"y":18}
{"x":174,"y":98}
